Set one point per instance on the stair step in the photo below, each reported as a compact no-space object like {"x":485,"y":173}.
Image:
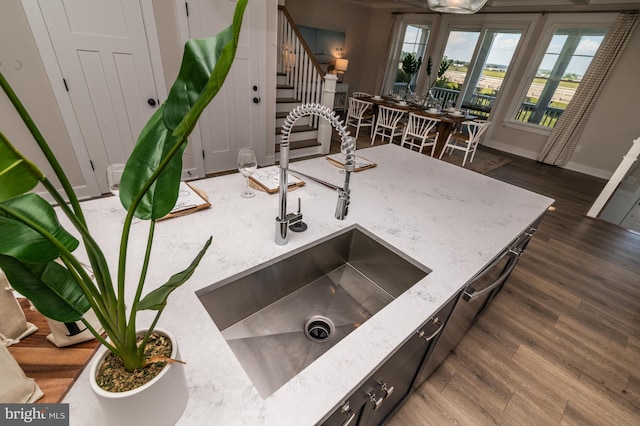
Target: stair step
{"x":300,"y":144}
{"x":297,"y":129}
{"x":286,"y":100}
{"x":282,"y":115}
{"x":284,"y":86}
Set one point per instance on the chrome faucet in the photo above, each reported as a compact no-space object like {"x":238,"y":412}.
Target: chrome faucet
{"x":347,"y":146}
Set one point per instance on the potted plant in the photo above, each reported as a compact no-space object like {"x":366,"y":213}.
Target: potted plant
{"x":36,"y":252}
{"x":410,"y":66}
{"x":444,"y":66}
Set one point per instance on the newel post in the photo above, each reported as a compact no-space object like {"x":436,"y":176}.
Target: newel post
{"x":324,"y":127}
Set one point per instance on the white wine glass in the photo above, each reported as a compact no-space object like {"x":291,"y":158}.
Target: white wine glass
{"x":247,"y":165}
{"x":114,"y":174}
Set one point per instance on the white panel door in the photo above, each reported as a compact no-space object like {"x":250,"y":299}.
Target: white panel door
{"x":233,"y":119}
{"x":102,"y":51}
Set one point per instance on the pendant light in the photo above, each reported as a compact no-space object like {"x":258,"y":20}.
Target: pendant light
{"x":456,"y":6}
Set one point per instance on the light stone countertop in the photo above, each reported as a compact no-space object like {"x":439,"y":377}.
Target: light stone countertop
{"x":449,"y":219}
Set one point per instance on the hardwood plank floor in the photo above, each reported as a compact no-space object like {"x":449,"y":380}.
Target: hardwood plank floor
{"x":560,"y":345}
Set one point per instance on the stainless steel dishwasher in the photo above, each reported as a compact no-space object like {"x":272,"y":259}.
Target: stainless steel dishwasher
{"x":474,"y":299}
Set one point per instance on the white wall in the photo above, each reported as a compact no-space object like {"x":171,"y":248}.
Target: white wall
{"x":353,"y":20}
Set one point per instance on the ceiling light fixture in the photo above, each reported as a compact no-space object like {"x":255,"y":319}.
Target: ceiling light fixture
{"x":456,"y":6}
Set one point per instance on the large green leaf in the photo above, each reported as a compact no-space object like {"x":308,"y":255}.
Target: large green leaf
{"x":17,"y":174}
{"x":223,"y":63}
{"x":50,"y":287}
{"x":154,"y":143}
{"x":157,"y":298}
{"x":25,"y":244}
{"x":205,"y":65}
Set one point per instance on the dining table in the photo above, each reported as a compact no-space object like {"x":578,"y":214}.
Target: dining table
{"x":447,"y":119}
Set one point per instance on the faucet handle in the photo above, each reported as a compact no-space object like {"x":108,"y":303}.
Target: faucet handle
{"x":295,"y":222}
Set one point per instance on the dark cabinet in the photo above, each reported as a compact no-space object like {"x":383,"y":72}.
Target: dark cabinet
{"x":384,"y":389}
{"x":473,"y":301}
{"x":388,"y":386}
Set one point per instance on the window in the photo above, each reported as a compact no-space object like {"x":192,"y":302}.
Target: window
{"x":478,"y":61}
{"x":489,"y":70}
{"x":564,"y":63}
{"x":414,"y":43}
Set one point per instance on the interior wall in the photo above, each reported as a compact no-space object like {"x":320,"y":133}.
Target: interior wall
{"x":22,"y":67}
{"x":337,"y":15}
{"x":615,"y":121}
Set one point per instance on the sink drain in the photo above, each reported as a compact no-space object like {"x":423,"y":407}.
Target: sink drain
{"x":319,"y":328}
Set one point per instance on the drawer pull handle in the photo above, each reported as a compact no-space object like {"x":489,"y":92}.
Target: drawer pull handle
{"x":435,"y":333}
{"x":376,"y":402}
{"x":346,"y":409}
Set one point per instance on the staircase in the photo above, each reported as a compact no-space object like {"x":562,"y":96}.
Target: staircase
{"x":304,"y":136}
{"x":300,"y":81}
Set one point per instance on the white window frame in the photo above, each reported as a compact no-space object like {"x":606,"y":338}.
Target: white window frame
{"x":483,"y":23}
{"x":554,"y":22}
{"x":395,"y":48}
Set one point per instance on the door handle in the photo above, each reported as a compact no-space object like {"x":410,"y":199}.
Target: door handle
{"x":256,"y":100}
{"x":151,"y":101}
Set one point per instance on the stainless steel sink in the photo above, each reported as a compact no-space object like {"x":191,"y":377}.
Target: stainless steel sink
{"x":282,"y":315}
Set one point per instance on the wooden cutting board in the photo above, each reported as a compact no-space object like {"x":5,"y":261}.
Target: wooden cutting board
{"x":54,"y":369}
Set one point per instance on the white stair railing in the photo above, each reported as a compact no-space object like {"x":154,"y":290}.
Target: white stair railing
{"x":296,"y":61}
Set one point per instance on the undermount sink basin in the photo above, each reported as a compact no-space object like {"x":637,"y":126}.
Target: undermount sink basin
{"x":280,"y":316}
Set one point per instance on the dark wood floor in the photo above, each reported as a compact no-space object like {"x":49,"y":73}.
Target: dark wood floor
{"x":561,"y":343}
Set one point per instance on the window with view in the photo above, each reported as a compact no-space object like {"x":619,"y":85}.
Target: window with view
{"x":559,"y":74}
{"x":413,"y":46}
{"x":476,"y":62}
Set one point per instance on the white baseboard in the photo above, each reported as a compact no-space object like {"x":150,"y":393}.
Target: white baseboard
{"x":588,"y":170}
{"x":532,"y":155}
{"x":82,"y":193}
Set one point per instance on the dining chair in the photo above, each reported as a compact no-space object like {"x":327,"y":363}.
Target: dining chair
{"x":387,"y":123}
{"x":420,"y":132}
{"x":360,"y":94}
{"x":359,"y":114}
{"x":466,"y":139}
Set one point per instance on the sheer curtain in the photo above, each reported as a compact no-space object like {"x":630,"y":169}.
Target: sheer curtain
{"x":391,"y":56}
{"x":566,"y":134}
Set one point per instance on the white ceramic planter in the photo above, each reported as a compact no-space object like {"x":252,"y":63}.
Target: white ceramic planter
{"x":158,"y":402}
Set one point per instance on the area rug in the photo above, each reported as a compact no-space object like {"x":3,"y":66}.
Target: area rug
{"x":483,"y":163}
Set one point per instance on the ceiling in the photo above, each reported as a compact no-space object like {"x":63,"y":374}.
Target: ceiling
{"x":516,"y":5}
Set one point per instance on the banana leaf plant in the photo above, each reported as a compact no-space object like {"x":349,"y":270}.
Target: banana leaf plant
{"x":36,"y":252}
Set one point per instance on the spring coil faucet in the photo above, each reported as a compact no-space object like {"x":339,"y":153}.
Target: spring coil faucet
{"x":347,"y":146}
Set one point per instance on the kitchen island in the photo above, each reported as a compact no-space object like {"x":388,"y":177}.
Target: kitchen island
{"x":447,"y":218}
